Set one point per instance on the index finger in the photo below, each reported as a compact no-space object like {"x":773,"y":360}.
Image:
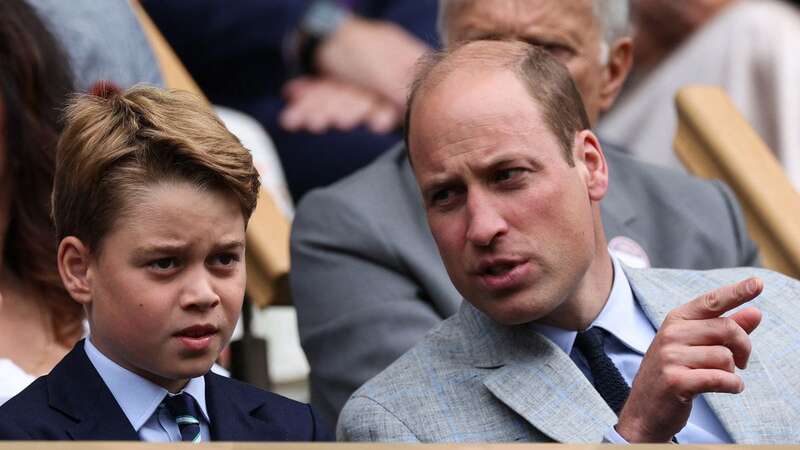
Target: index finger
{"x":721,"y":300}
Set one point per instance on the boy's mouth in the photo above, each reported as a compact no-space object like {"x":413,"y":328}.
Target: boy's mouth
{"x":197,"y":331}
{"x":197,"y":337}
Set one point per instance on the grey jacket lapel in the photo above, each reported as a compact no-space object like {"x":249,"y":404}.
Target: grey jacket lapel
{"x":538,"y":381}
{"x":758,"y":414}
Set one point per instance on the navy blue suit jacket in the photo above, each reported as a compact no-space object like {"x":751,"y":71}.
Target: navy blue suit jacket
{"x":73,"y":403}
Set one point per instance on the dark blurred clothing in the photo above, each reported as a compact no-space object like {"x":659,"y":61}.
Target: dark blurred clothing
{"x":234,"y":50}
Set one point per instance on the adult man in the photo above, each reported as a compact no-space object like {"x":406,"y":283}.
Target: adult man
{"x":366,"y":278}
{"x":512,"y":179}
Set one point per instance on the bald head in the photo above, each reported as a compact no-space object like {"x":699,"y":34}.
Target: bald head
{"x":548,"y":82}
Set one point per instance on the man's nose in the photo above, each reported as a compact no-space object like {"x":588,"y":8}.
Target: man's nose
{"x":485,"y":221}
{"x":199,"y":292}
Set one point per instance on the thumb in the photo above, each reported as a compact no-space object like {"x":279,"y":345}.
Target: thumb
{"x":748,"y":318}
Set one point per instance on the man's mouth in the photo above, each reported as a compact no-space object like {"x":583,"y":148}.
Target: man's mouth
{"x":498,"y":266}
{"x":502,"y":273}
{"x":499,"y":269}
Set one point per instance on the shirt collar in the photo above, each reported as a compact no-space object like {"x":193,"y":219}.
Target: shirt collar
{"x":137,"y":396}
{"x":621,"y":316}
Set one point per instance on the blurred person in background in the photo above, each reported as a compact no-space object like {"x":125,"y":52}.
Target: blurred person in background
{"x":102,"y":43}
{"x":659,"y":27}
{"x":39,"y":322}
{"x":109,"y":44}
{"x":747,"y":47}
{"x":326,"y":78}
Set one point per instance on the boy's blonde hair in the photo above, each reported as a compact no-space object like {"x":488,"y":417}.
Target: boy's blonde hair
{"x":116,"y":144}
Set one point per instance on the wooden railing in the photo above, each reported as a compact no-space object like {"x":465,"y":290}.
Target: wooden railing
{"x":715,"y":141}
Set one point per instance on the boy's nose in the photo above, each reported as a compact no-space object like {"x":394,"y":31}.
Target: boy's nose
{"x":199,"y":293}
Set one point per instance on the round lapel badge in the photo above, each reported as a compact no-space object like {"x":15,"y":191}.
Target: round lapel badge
{"x":629,"y":252}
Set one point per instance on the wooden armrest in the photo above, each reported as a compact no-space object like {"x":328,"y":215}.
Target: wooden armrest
{"x":715,"y":141}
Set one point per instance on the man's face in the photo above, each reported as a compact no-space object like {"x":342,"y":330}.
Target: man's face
{"x":167,"y":286}
{"x":513,"y":221}
{"x":565,"y":28}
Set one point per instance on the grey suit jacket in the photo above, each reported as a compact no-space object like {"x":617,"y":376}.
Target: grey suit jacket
{"x":368,"y":282}
{"x":472,"y":379}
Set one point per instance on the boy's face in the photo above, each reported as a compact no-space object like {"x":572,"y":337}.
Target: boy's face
{"x":167,"y":283}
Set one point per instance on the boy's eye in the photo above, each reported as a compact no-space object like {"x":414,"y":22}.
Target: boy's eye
{"x":225,"y":259}
{"x":163,"y":264}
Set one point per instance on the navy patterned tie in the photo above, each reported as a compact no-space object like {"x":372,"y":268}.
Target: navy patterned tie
{"x":186,"y":413}
{"x":607,"y":379}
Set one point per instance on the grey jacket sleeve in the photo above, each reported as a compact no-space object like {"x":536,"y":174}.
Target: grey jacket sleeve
{"x":358,"y":307}
{"x":364,"y":420}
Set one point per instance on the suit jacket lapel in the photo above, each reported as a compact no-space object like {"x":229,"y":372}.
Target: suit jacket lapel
{"x":758,"y":414}
{"x":76,"y":390}
{"x":554,"y":396}
{"x":231,"y":410}
{"x":538,"y":381}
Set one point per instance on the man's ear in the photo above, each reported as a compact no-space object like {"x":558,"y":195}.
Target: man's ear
{"x":620,"y":61}
{"x":589,"y":154}
{"x":74,"y":259}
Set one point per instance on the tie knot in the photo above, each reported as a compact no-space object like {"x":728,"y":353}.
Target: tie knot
{"x":182,"y":404}
{"x":590,"y":342}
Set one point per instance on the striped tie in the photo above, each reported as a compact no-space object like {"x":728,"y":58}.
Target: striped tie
{"x":185,"y":411}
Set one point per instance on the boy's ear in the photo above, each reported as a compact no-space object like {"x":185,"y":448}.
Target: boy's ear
{"x":73,"y":266}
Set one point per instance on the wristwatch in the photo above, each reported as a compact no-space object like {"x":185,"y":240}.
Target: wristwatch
{"x":320,"y":20}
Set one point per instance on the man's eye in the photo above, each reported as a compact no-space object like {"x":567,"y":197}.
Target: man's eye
{"x":507,"y":175}
{"x":163,"y":264}
{"x":442,"y":197}
{"x":558,"y":51}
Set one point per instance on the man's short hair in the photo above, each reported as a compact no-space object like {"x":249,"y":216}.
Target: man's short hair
{"x":547,"y":81}
{"x":116,"y":144}
{"x":613,"y":15}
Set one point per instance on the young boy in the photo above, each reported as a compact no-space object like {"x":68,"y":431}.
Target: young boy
{"x":151,"y":200}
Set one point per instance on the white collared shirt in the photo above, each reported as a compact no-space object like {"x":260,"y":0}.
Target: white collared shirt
{"x":631,"y":335}
{"x":141,"y":400}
